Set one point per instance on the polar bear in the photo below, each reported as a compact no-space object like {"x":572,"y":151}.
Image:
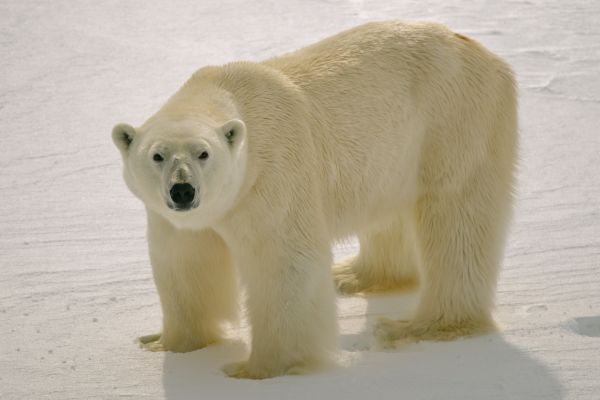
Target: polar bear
{"x":404,"y":134}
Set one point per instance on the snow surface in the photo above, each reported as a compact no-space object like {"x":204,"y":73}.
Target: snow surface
{"x":75,"y":282}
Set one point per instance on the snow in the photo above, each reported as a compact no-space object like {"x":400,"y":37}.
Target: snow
{"x":75,"y":283}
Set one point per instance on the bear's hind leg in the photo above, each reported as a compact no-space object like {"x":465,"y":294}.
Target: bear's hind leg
{"x":461,"y":238}
{"x":196,"y":282}
{"x":388,"y":261}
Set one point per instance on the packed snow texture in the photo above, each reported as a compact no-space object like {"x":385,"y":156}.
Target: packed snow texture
{"x":76,"y":287}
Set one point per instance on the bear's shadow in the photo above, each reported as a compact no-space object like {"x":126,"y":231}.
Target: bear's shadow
{"x":486,"y":367}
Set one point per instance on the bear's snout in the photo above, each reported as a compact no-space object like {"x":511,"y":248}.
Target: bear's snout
{"x":182,"y":195}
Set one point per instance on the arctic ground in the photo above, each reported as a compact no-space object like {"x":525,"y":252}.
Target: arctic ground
{"x":76,"y":286}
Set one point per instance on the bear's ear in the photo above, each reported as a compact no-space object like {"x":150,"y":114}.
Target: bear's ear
{"x":122,"y":135}
{"x":234,"y":132}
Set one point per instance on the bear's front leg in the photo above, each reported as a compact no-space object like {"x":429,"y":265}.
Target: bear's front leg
{"x":290,"y":303}
{"x":195,"y":278}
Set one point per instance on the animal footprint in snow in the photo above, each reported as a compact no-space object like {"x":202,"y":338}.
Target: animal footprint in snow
{"x":586,"y":326}
{"x":536,"y":309}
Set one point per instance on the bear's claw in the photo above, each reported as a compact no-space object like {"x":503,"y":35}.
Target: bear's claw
{"x":151,"y":342}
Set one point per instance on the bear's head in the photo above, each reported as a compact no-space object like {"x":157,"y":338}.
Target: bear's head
{"x":187,"y":170}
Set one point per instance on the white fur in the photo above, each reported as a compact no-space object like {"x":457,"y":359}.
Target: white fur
{"x":404,"y":134}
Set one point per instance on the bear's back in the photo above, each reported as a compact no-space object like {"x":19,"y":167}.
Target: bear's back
{"x":384,"y":94}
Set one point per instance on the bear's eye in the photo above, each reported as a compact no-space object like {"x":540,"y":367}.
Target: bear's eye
{"x":157,"y":157}
{"x":203,"y":155}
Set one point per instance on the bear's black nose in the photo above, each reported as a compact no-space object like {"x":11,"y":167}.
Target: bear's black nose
{"x":182,"y":194}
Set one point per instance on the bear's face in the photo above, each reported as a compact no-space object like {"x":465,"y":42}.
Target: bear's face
{"x":190,"y":172}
